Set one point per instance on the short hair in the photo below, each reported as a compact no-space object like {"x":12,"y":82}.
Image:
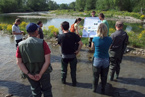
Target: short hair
{"x":102,"y":30}
{"x":102,"y":15}
{"x":119,"y":24}
{"x":39,"y":22}
{"x":18,"y":20}
{"x":65,"y":25}
{"x":93,"y":11}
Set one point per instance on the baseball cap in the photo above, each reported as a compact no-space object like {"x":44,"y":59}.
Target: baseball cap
{"x":31,"y":27}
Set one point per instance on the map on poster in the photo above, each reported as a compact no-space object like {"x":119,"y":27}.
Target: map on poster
{"x":91,"y":26}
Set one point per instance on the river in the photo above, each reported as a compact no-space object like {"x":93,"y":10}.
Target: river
{"x":130,"y":84}
{"x":10,"y":18}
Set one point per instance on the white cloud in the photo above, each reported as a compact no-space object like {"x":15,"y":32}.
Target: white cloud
{"x":63,"y":1}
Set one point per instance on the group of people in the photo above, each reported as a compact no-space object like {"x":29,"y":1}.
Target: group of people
{"x":33,"y":54}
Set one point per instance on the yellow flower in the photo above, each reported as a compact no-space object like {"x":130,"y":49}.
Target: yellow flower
{"x":9,"y":27}
{"x":142,"y":16}
{"x":52,"y":29}
{"x":142,"y":34}
{"x":23,"y":24}
{"x":140,"y":26}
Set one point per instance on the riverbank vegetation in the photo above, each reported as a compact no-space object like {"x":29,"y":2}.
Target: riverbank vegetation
{"x":48,"y":32}
{"x":136,"y":39}
{"x":107,"y":13}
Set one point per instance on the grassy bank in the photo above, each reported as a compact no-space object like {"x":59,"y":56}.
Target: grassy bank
{"x":136,"y":39}
{"x":48,"y":32}
{"x":107,"y":13}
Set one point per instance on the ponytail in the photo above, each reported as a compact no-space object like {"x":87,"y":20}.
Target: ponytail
{"x":78,"y":19}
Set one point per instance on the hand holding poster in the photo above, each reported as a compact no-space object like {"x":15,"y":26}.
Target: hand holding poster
{"x":91,"y":26}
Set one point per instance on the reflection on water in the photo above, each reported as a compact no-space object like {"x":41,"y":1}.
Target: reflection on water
{"x":57,"y":21}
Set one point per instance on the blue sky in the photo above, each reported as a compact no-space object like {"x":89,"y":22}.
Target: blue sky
{"x":63,"y":1}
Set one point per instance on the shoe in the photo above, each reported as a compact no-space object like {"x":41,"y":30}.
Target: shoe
{"x":94,"y":90}
{"x":103,"y":91}
{"x":63,"y":81}
{"x":117,"y":77}
{"x":74,"y":84}
{"x":110,"y":78}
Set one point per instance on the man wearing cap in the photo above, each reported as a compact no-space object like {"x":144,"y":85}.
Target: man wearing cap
{"x":119,"y":43}
{"x":17,"y":32}
{"x":33,"y":58}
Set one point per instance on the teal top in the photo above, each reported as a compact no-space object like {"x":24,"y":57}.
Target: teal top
{"x":105,"y":22}
{"x":102,"y":46}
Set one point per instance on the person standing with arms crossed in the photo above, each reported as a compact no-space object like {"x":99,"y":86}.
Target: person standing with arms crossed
{"x":17,"y":32}
{"x":101,"y":57}
{"x":68,"y":41}
{"x":101,"y":17}
{"x":118,"y":46}
{"x":33,"y":58}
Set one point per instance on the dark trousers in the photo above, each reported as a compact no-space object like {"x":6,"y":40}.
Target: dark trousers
{"x":114,"y":67}
{"x":73,"y":65}
{"x":17,"y":41}
{"x":41,"y":86}
{"x":90,"y":41}
{"x":99,"y":71}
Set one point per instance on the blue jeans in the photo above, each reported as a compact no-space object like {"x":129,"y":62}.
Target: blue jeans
{"x":100,"y":67}
{"x":99,"y":62}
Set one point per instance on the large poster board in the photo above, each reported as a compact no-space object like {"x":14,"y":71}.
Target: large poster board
{"x":91,"y":26}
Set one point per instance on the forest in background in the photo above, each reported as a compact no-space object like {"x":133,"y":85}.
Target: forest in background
{"x":7,"y":6}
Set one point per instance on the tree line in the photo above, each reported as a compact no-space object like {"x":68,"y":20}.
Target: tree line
{"x":120,"y":5}
{"x":80,"y":5}
{"x":7,"y":6}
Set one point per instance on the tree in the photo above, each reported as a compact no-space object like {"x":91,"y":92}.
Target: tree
{"x":39,"y":5}
{"x":9,"y":6}
{"x":80,"y":5}
{"x":90,"y":4}
{"x":63,"y":6}
{"x":52,"y":5}
{"x":72,"y":5}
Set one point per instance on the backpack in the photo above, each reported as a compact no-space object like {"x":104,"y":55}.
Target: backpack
{"x":72,"y":29}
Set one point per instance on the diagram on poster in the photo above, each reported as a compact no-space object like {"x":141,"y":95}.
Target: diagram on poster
{"x":91,"y":26}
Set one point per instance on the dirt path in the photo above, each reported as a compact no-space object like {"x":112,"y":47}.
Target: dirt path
{"x":130,"y":84}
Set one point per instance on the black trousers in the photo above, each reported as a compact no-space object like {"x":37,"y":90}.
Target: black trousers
{"x":114,"y":66}
{"x":73,"y":65}
{"x":90,"y":41}
{"x":17,"y":41}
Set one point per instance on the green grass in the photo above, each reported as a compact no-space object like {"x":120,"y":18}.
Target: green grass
{"x":87,"y":13}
